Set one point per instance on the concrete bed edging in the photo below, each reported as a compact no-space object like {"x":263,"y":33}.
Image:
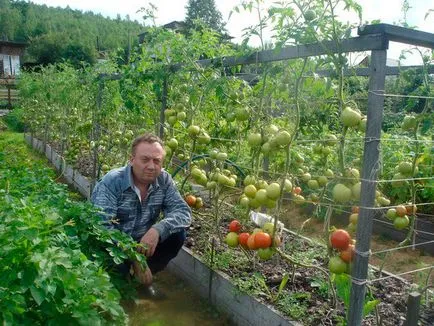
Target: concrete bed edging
{"x":242,"y":309}
{"x":72,"y":176}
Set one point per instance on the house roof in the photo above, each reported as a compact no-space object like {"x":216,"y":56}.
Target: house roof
{"x":13,"y":44}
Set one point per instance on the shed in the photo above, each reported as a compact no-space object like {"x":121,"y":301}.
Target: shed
{"x":10,"y":58}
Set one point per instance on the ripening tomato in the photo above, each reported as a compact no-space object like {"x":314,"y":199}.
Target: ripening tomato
{"x":297,"y":190}
{"x":199,"y":203}
{"x":411,"y":209}
{"x":401,"y":210}
{"x":235,"y":226}
{"x":262,"y":240}
{"x":191,"y":200}
{"x":355,"y":209}
{"x":251,"y":242}
{"x":242,"y":239}
{"x":340,"y":239}
{"x":347,"y":255}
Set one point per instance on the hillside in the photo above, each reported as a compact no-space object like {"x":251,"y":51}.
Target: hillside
{"x":57,"y":34}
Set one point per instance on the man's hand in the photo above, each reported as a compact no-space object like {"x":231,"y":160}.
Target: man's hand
{"x":142,"y":275}
{"x":150,"y":241}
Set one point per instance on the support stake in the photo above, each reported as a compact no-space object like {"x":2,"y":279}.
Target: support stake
{"x":371,"y":166}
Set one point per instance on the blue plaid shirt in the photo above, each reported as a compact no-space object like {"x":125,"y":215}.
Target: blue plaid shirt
{"x":123,"y":210}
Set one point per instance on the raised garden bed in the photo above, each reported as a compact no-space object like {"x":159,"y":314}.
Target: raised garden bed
{"x":248,"y":289}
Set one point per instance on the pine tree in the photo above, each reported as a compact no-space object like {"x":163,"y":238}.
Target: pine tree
{"x":206,"y":11}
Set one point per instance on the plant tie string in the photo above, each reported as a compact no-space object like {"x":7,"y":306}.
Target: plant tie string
{"x":364,"y":254}
{"x":359,"y":281}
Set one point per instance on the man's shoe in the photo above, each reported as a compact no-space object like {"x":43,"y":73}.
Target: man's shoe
{"x":152,"y":292}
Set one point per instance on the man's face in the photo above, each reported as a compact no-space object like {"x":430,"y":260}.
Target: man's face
{"x":147,"y":162}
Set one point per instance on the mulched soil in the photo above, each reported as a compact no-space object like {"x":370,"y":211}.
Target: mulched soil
{"x":317,"y":306}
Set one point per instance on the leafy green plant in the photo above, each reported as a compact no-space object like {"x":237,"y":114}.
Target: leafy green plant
{"x":295,"y":304}
{"x":343,"y":289}
{"x":55,"y":252}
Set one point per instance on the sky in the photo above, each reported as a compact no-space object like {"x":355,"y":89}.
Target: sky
{"x":388,"y":11}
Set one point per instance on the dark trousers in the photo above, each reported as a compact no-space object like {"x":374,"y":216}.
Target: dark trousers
{"x":164,"y":252}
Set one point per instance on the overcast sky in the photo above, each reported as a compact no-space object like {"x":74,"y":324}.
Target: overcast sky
{"x":388,"y":11}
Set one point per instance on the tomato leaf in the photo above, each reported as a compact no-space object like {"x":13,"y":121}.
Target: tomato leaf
{"x":37,"y":294}
{"x":369,"y":306}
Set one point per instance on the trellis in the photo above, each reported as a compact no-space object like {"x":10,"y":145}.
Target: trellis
{"x":374,"y":38}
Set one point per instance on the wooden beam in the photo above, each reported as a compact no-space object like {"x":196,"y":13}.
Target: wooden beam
{"x":399,"y":34}
{"x":355,"y":44}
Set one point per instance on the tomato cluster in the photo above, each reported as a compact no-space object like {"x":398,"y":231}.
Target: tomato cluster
{"x":193,"y":201}
{"x":399,"y":215}
{"x":259,"y":240}
{"x":341,"y":241}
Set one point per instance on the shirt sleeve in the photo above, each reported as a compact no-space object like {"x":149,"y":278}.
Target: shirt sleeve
{"x":102,"y":197}
{"x":177,"y":214}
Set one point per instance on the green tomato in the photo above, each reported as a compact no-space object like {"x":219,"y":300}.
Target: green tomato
{"x":337,"y":265}
{"x":273,"y":190}
{"x":193,"y":131}
{"x":341,"y":193}
{"x":265,"y":253}
{"x":283,"y":138}
{"x":232,"y":239}
{"x":254,"y":139}
{"x":350,"y":117}
{"x":401,"y":223}
{"x":261,"y":196}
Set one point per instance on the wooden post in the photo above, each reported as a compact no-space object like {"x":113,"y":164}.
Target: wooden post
{"x":163,"y":107}
{"x":95,"y":134}
{"x":413,"y":307}
{"x":9,"y":97}
{"x":371,"y":166}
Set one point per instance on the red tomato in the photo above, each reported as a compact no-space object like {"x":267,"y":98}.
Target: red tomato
{"x":297,"y":190}
{"x":262,"y":240}
{"x":235,"y":226}
{"x":340,"y":239}
{"x":242,"y":239}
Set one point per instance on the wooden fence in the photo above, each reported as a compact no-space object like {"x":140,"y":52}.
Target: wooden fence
{"x":8,"y":92}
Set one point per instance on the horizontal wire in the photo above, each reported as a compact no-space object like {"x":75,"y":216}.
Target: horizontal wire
{"x":381,"y":93}
{"x":402,"y":247}
{"x":399,"y":274}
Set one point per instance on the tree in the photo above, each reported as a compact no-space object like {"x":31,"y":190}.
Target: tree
{"x":206,"y":11}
